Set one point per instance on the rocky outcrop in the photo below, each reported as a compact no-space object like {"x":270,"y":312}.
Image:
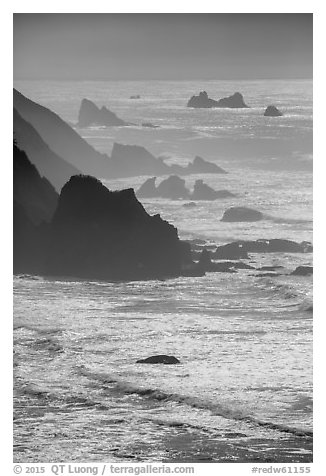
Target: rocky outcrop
{"x":35,"y":201}
{"x":205,"y":192}
{"x":91,"y":115}
{"x":240,"y":249}
{"x":203,"y":101}
{"x":96,"y":233}
{"x":302,"y":271}
{"x":272,"y":111}
{"x":201,"y":166}
{"x":159,"y":359}
{"x":173,"y":187}
{"x":131,"y":160}
{"x":57,"y":170}
{"x":147,"y":189}
{"x":238,"y":214}
{"x":62,"y":139}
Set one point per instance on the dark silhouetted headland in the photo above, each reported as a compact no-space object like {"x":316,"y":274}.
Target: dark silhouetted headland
{"x":57,"y":170}
{"x":96,"y":233}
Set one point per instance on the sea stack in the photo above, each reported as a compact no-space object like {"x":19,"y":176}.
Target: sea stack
{"x":90,"y":114}
{"x":203,"y":101}
{"x":272,"y":111}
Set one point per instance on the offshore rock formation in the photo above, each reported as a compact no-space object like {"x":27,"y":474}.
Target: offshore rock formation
{"x":62,"y":139}
{"x":238,"y":214}
{"x":159,"y":359}
{"x":96,"y":233}
{"x":131,"y":160}
{"x":35,"y":201}
{"x":48,"y":163}
{"x":240,"y":249}
{"x":203,"y":191}
{"x":91,"y":115}
{"x":201,"y":166}
{"x":150,"y":125}
{"x":302,"y":271}
{"x":174,"y":188}
{"x":203,"y":101}
{"x":272,"y":111}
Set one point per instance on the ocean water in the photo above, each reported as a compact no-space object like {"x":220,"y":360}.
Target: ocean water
{"x":243,"y":391}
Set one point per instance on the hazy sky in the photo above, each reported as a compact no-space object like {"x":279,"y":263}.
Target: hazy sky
{"x":162,"y":46}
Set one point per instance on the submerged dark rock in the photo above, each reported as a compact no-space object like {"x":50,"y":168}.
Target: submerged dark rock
{"x":272,"y":111}
{"x":159,"y":359}
{"x":302,"y":271}
{"x":90,"y":114}
{"x":238,"y":214}
{"x":203,"y":101}
{"x":189,"y":205}
{"x":240,"y":249}
{"x":96,"y":233}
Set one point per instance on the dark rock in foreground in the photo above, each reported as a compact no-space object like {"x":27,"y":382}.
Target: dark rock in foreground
{"x":90,"y":114}
{"x":159,"y":359}
{"x":238,"y":214}
{"x":302,"y":271}
{"x":96,"y":233}
{"x":240,"y":249}
{"x":272,"y":111}
{"x":203,"y":101}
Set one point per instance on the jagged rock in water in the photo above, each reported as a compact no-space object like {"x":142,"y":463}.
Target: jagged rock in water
{"x":48,"y":163}
{"x":272,"y":111}
{"x":203,"y":191}
{"x":302,"y":271}
{"x":90,"y":114}
{"x":147,"y":189}
{"x":238,"y":214}
{"x":173,"y":187}
{"x":96,"y":233}
{"x":203,"y":101}
{"x":159,"y":359}
{"x":132,"y":160}
{"x":201,"y":166}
